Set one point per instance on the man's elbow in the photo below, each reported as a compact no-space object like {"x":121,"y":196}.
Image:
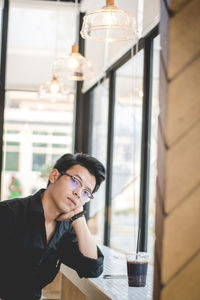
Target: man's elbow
{"x":98,"y":272}
{"x":92,"y":273}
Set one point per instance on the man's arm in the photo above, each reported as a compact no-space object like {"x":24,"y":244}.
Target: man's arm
{"x":71,"y":256}
{"x":79,"y":250}
{"x":86,"y":243}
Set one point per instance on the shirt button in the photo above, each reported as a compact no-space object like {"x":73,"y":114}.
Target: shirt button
{"x":57,"y":263}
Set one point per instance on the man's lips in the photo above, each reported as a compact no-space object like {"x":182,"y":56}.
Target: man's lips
{"x":73,"y":201}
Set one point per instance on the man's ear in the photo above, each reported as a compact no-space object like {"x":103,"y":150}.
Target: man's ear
{"x":54,"y":175}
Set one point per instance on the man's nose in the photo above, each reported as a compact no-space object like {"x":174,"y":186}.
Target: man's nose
{"x":77,"y":193}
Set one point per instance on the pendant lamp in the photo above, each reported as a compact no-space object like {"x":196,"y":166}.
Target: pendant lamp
{"x":74,"y":66}
{"x":109,"y":24}
{"x":54,"y":90}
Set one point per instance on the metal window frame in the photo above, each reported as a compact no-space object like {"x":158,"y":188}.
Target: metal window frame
{"x":4,"y":36}
{"x":145,"y":147}
{"x":109,"y":162}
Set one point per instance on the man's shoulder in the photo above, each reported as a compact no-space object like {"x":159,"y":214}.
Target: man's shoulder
{"x":17,"y":210}
{"x":14,"y":201}
{"x":22,"y":199}
{"x":10,"y":209}
{"x":18,"y":204}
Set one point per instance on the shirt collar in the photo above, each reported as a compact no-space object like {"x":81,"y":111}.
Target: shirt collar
{"x":36,"y":202}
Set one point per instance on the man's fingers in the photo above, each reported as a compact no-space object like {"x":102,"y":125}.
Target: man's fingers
{"x":70,"y":214}
{"x":67,"y":216}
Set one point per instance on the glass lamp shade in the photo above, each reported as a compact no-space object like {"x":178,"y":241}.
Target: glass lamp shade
{"x":73,"y":66}
{"x":54,"y":90}
{"x":109,"y":24}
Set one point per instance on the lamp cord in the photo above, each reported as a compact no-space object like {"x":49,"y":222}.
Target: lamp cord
{"x":77,"y":14}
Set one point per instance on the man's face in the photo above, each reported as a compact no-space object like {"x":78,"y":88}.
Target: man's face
{"x":62,"y":192}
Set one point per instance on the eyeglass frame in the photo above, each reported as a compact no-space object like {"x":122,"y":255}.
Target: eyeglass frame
{"x":81,"y":186}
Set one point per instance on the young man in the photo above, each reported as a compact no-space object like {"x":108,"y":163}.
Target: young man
{"x":41,"y":231}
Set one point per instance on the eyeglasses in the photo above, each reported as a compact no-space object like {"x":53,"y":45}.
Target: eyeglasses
{"x":75,"y":184}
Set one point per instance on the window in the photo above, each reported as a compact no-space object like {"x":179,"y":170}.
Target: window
{"x":12,"y":144}
{"x":29,"y":132}
{"x":39,"y":161}
{"x":58,"y":145}
{"x":39,"y":145}
{"x":38,"y":31}
{"x":13,"y":131}
{"x":12,"y":161}
{"x":11,"y":149}
{"x":99,"y":149}
{"x":126,"y":154}
{"x":59,"y":133}
{"x":40,"y":132}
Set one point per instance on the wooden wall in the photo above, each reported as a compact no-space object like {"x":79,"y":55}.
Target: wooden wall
{"x":177,"y":247}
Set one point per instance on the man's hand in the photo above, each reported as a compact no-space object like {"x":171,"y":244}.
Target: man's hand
{"x":70,"y":214}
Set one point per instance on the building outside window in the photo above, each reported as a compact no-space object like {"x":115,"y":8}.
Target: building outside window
{"x":31,"y":146}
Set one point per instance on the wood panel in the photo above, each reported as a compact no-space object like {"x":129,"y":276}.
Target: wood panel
{"x":157,"y":283}
{"x":183,"y":102}
{"x":182,"y":168}
{"x":159,"y":228}
{"x":181,"y":235}
{"x":177,"y":245}
{"x":163,"y":94}
{"x":185,"y":286}
{"x":184,"y":37}
{"x":161,"y":166}
{"x":70,"y":292}
{"x":52,"y":290}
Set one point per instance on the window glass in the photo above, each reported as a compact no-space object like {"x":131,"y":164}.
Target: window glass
{"x":99,"y":149}
{"x":39,"y":31}
{"x":58,"y":145}
{"x":146,"y":14}
{"x":40,"y":132}
{"x":59,"y":133}
{"x":38,"y":161}
{"x":154,"y":140}
{"x":12,"y":143}
{"x":12,"y":131}
{"x":126,"y":154}
{"x":30,"y":145}
{"x":12,"y":160}
{"x":39,"y":145}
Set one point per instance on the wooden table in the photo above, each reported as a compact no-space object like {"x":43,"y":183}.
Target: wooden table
{"x":74,"y":288}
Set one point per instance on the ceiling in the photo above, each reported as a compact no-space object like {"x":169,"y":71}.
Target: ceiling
{"x":40,"y":31}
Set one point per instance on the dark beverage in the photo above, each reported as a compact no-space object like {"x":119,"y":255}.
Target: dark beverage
{"x":137,"y":273}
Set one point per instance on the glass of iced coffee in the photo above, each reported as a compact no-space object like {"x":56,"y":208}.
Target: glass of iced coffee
{"x":137,"y":264}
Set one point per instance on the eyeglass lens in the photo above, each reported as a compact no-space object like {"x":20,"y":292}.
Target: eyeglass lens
{"x":75,"y":184}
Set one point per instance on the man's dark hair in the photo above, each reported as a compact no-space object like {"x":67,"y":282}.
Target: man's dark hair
{"x":93,"y":165}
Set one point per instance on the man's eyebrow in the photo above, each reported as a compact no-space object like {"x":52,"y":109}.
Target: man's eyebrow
{"x":81,"y":181}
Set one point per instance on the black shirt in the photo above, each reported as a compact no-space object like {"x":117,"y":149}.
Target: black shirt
{"x":27,"y":262}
